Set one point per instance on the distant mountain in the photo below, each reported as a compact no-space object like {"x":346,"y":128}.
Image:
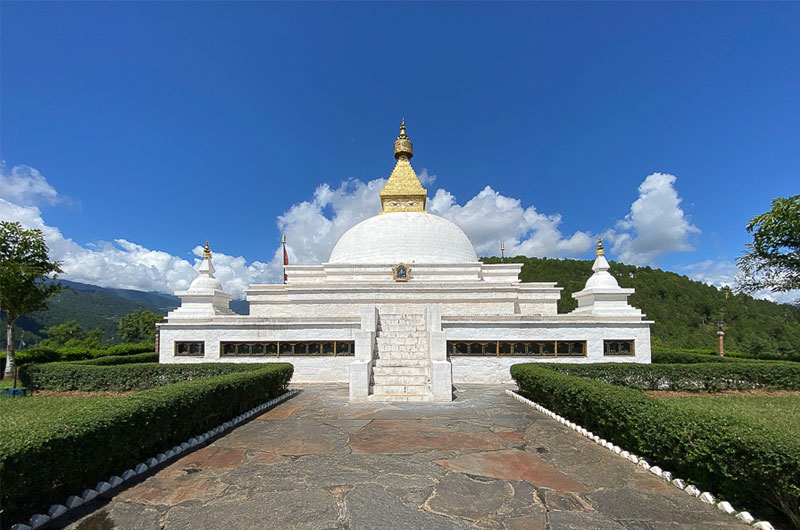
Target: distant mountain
{"x":96,"y":307}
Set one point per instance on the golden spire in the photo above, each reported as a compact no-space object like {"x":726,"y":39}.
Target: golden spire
{"x":207,"y":251}
{"x":600,"y":250}
{"x":403,"y":192}
{"x":283,"y":239}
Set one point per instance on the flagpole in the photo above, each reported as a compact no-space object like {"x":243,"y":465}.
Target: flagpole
{"x":285,"y":256}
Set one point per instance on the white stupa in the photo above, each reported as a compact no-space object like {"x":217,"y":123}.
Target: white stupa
{"x":403,"y":309}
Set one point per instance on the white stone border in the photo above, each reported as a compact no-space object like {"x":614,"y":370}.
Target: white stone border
{"x":74,"y":501}
{"x":704,"y":496}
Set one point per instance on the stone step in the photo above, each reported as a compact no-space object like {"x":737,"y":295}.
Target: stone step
{"x":399,"y":370}
{"x":386,"y":362}
{"x":401,"y":341}
{"x":406,"y":398}
{"x":402,"y":328}
{"x":395,"y":354}
{"x":403,"y":334}
{"x":401,"y":380}
{"x":401,"y":348}
{"x":401,"y":390}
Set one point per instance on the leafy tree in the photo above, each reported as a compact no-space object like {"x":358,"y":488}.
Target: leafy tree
{"x":71,"y":334}
{"x":139,"y":326}
{"x":772,"y":261}
{"x":25,"y":268}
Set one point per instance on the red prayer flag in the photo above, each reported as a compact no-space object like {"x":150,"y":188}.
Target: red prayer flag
{"x":285,"y":260}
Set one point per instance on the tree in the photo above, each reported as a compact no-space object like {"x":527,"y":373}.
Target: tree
{"x":25,"y":269}
{"x":139,"y":326}
{"x":772,"y":261}
{"x":71,"y":334}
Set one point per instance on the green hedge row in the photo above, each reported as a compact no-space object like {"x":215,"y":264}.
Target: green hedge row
{"x":711,"y":377}
{"x":50,"y":355}
{"x":118,"y":377}
{"x":679,"y":357}
{"x":137,"y":358}
{"x":43,"y":465}
{"x":749,"y":465}
{"x":729,"y":355}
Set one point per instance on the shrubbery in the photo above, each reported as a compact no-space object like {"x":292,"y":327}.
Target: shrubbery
{"x":73,"y":353}
{"x":118,"y":377}
{"x":711,"y":377}
{"x":137,"y":358}
{"x":44,"y":463}
{"x":676,"y":353}
{"x":749,"y":465}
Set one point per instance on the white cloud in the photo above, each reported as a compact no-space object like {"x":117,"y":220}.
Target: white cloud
{"x":655,"y":225}
{"x":25,"y":186}
{"x":723,"y":274}
{"x":490,"y":217}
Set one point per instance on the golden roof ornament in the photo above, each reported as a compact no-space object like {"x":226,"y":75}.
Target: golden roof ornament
{"x":600,"y":250}
{"x":403,"y":192}
{"x":207,"y":251}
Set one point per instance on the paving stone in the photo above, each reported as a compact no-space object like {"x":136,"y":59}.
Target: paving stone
{"x":513,"y":464}
{"x":307,"y":509}
{"x":484,"y":461}
{"x":369,"y":506}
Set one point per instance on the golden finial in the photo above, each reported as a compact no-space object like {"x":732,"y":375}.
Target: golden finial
{"x":207,"y":251}
{"x":283,"y":239}
{"x":403,"y":146}
{"x":600,"y":250}
{"x":403,"y":192}
{"x":502,"y":245}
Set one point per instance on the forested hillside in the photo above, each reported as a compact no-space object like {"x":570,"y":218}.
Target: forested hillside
{"x":685,"y":311}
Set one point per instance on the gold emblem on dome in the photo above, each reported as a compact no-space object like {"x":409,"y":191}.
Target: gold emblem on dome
{"x":207,"y":251}
{"x":403,"y":192}
{"x":401,"y":272}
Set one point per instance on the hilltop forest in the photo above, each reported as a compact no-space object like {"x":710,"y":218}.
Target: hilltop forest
{"x":685,"y":311}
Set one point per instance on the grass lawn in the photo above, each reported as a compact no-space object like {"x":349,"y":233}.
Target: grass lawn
{"x":23,"y":413}
{"x":781,"y":412}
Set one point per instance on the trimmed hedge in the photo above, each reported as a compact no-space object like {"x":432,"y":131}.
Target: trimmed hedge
{"x":150,"y":357}
{"x":711,"y":377}
{"x":50,"y":355}
{"x":116,"y":377}
{"x":679,"y":357}
{"x":749,"y":465}
{"x":666,"y":353}
{"x":44,"y":464}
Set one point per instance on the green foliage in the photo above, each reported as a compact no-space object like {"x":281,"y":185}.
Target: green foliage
{"x":54,"y":447}
{"x":49,"y":355}
{"x":685,"y":311}
{"x":749,"y":464}
{"x":772,"y":261}
{"x":680,"y":356}
{"x":117,"y":377}
{"x":149,"y":357}
{"x":139,"y":326}
{"x":712,"y":377}
{"x":25,"y":269}
{"x":72,"y":335}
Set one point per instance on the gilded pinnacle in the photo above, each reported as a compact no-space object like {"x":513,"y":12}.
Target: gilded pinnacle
{"x":283,"y":239}
{"x":403,"y":192}
{"x":600,"y":250}
{"x":207,"y":251}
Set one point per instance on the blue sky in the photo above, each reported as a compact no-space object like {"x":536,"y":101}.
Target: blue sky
{"x":133,"y":131}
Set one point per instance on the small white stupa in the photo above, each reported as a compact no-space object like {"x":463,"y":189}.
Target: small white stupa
{"x":205,"y":296}
{"x":602,"y":295}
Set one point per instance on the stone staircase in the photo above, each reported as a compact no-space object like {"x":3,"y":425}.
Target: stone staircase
{"x":401,"y":367}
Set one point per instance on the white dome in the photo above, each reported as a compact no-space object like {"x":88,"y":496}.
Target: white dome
{"x":404,"y":237}
{"x":203,"y":282}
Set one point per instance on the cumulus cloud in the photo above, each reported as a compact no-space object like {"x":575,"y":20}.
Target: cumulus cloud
{"x":25,"y":186}
{"x":655,"y":225}
{"x":490,"y":217}
{"x":723,"y":274}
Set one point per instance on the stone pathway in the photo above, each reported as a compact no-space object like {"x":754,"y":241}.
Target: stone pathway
{"x":483,"y":461}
